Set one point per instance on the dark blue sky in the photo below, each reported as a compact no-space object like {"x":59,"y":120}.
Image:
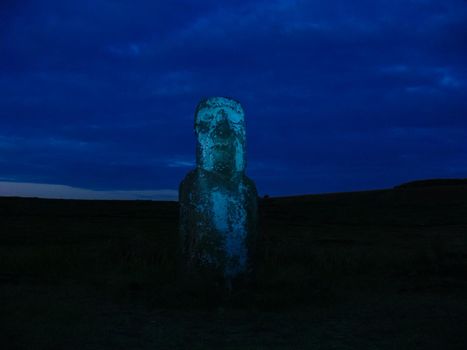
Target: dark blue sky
{"x":339,"y":95}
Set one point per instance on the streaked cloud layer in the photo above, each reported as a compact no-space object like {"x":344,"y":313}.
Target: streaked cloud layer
{"x":339,"y":95}
{"x":22,"y":189}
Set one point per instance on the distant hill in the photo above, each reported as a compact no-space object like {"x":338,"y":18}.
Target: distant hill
{"x":433,"y":183}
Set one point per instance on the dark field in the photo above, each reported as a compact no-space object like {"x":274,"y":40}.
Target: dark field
{"x":364,"y":270}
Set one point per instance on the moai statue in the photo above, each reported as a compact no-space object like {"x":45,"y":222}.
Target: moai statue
{"x":218,"y":202}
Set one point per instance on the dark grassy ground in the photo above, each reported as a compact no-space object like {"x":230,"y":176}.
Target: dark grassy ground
{"x":365,"y":270}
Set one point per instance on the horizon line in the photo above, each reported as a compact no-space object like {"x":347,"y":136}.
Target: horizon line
{"x":59,"y":191}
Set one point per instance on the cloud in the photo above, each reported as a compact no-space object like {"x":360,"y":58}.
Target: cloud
{"x":450,"y":81}
{"x":129,"y":50}
{"x":181,"y":163}
{"x":101,"y":93}
{"x":24,"y":189}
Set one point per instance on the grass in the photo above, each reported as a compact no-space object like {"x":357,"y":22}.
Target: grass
{"x":365,"y":270}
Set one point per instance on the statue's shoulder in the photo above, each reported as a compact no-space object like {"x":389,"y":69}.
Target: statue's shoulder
{"x":189,"y":179}
{"x":249,"y":184}
{"x":193,"y":179}
{"x":190,"y":176}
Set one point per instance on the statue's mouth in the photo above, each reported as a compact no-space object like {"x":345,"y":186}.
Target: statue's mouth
{"x":221,"y":146}
{"x":223,"y":153}
{"x":222,"y":143}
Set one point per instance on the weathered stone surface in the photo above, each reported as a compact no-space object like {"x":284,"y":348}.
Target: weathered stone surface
{"x":218,"y":202}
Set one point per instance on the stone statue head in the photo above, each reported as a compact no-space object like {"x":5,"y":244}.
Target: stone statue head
{"x":220,"y":131}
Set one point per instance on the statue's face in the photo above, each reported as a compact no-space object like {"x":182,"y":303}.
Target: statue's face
{"x":220,"y":127}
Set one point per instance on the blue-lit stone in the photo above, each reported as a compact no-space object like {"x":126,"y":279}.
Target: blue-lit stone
{"x":218,"y":202}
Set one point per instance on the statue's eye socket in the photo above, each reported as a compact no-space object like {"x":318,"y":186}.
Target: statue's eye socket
{"x":235,"y":118}
{"x":204,"y":117}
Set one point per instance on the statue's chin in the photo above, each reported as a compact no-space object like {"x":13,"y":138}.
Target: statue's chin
{"x":223,"y":167}
{"x":222,"y":158}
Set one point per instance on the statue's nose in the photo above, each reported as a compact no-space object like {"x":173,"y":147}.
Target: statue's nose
{"x":223,"y":127}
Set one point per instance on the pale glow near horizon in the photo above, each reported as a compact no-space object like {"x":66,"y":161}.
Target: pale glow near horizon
{"x":27,"y":189}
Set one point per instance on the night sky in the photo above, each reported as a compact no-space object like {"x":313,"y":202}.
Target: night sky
{"x":97,"y":97}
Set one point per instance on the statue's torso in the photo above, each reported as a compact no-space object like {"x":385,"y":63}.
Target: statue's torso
{"x":222,"y":212}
